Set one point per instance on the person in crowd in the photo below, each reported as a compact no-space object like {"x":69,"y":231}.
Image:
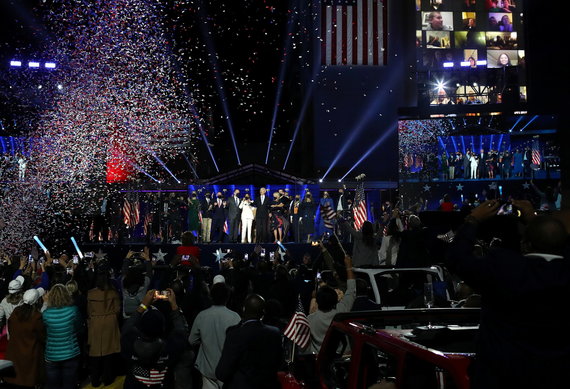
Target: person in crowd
{"x":307,"y":209}
{"x":503,"y":60}
{"x":209,"y":332}
{"x":435,"y":22}
{"x":364,"y":249}
{"x":219,"y":216}
{"x":446,"y":205}
{"x":206,"y":207}
{"x":135,"y":280}
{"x":547,"y":199}
{"x":362,"y":302}
{"x":153,"y":341}
{"x":247,"y":216}
{"x":11,"y":301}
{"x":329,"y":306}
{"x":388,"y":253}
{"x":187,"y":252}
{"x":240,"y":365}
{"x":521,"y":296}
{"x":194,"y":214}
{"x":27,"y":341}
{"x":415,"y":244}
{"x":62,"y":322}
{"x":261,"y":205}
{"x":234,"y":216}
{"x":103,"y":308}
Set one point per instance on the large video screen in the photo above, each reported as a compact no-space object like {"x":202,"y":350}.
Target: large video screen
{"x":472,"y":51}
{"x":474,"y":156}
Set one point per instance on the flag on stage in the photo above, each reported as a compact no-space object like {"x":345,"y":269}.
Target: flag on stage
{"x":147,"y":222}
{"x":226,"y":227}
{"x":127,"y":215}
{"x":359,"y":210}
{"x":328,"y":216}
{"x":536,"y":157}
{"x":298,"y":329}
{"x":353,"y":32}
{"x":131,"y":213}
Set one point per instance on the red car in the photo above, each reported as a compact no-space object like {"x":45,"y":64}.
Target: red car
{"x":404,"y":349}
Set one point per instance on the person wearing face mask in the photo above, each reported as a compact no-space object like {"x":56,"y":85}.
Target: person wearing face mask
{"x":247,"y":217}
{"x":193,"y":214}
{"x":206,"y":207}
{"x":219,"y":215}
{"x":261,"y":205}
{"x":294,"y":216}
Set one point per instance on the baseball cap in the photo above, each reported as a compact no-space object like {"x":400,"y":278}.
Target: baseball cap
{"x":219,"y":279}
{"x":15,"y":285}
{"x":31,"y":296}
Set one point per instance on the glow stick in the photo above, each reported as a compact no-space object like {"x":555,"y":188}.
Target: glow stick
{"x":40,"y":243}
{"x":76,"y":247}
{"x":281,"y":245}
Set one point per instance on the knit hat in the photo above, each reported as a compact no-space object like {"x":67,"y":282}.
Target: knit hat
{"x":15,"y":285}
{"x":31,"y":296}
{"x":218,"y":279}
{"x":152,"y":323}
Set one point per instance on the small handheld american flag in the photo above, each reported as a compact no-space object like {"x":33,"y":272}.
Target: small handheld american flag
{"x":360,"y":212}
{"x":298,"y":329}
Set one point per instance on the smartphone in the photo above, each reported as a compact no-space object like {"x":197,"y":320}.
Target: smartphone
{"x":186,"y":257}
{"x":89,"y":254}
{"x":318,"y":276}
{"x":263,"y":252}
{"x":246,"y":256}
{"x":56,"y":261}
{"x":69,"y":270}
{"x":271,"y":255}
{"x":75,"y":259}
{"x":30,"y":258}
{"x":163,"y":295}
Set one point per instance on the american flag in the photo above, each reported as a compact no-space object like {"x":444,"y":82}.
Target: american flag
{"x":147,"y":222}
{"x":298,"y":329}
{"x":359,"y":209}
{"x":328,"y":215}
{"x":149,"y":376}
{"x":353,"y":32}
{"x":536,"y":158}
{"x":131,"y":213}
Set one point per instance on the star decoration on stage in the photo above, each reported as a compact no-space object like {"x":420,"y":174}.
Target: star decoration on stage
{"x":427,"y":188}
{"x":493,"y":185}
{"x":219,"y":254}
{"x":526,"y":185}
{"x":100,"y":255}
{"x":459,"y":187}
{"x":159,"y":256}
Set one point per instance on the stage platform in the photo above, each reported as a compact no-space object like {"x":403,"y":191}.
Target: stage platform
{"x":116,"y":252}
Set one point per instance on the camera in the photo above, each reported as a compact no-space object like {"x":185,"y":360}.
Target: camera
{"x":507,"y":208}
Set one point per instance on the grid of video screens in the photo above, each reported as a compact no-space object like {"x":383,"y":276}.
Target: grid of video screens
{"x":483,"y":40}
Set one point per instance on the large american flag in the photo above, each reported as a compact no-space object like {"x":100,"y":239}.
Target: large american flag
{"x":536,"y":158}
{"x":131,"y":213}
{"x":359,"y":208}
{"x":353,"y":32}
{"x":328,"y":215}
{"x":298,"y":329}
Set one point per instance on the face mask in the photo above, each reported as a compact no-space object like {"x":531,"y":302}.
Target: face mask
{"x":220,"y":196}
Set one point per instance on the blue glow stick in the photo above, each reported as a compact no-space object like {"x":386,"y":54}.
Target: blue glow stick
{"x":281,"y":245}
{"x":40,"y":243}
{"x":76,"y":247}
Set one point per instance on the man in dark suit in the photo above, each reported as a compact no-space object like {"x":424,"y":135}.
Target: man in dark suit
{"x":527,"y":160}
{"x":522,"y":342}
{"x":261,"y":205}
{"x":234,"y":216}
{"x":482,"y":166}
{"x":252,"y":352}
{"x":219,"y":215}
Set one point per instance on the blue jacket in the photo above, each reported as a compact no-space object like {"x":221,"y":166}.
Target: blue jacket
{"x":62,"y":325}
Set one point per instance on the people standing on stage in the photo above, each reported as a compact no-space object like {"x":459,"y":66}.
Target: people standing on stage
{"x":474,"y":163}
{"x":307,"y":209}
{"x":247,"y":216}
{"x":481,"y":170}
{"x":342,"y":210}
{"x":467,"y":165}
{"x":276,"y":217}
{"x":207,"y":205}
{"x":219,"y":215}
{"x":22,"y":165}
{"x":194,"y":214}
{"x":294,"y":215}
{"x":506,"y":165}
{"x":234,"y":216}
{"x":451,"y":161}
{"x":261,"y":205}
{"x":458,"y":164}
{"x":491,"y":162}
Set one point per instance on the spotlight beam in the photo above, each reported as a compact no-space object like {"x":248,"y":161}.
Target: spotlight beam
{"x":204,"y":28}
{"x":283,"y":68}
{"x":367,"y":153}
{"x":308,"y":96}
{"x":516,"y":123}
{"x":530,"y":121}
{"x":364,"y":119}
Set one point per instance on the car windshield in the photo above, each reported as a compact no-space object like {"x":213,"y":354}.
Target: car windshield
{"x":405,"y":288}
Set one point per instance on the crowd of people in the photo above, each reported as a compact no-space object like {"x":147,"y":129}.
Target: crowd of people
{"x":171,"y":322}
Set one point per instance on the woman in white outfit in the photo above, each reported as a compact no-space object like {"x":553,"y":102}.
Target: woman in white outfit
{"x":474,"y":163}
{"x":246,"y":219}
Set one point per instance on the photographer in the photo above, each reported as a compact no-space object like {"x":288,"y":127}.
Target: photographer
{"x":135,"y":280}
{"x":153,"y":341}
{"x":522,"y":342}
